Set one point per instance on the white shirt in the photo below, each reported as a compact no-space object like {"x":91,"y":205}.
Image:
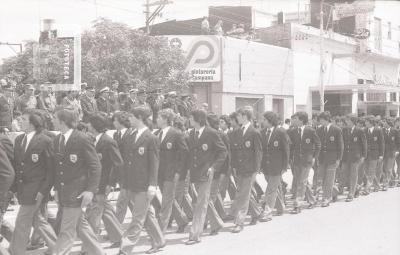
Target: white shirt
{"x":97,"y":138}
{"x":164,"y":132}
{"x":140,"y":132}
{"x":271,"y":130}
{"x":327,"y":127}
{"x":246,"y":127}
{"x":200,"y":131}
{"x":29,"y":137}
{"x":371,"y":129}
{"x":352,"y":129}
{"x":67,"y":135}
{"x":123,"y":131}
{"x":302,"y":131}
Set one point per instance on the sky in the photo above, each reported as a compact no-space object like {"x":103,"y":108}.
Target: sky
{"x":20,"y":19}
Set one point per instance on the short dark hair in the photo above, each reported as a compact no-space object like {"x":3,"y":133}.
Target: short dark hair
{"x":99,"y":122}
{"x":179,"y":123}
{"x":325,"y":116}
{"x":371,"y":119}
{"x":353,"y":118}
{"x":68,"y":117}
{"x":123,"y":118}
{"x":287,"y":121}
{"x":142,"y":113}
{"x":390,"y":121}
{"x":82,"y":126}
{"x":200,"y":116}
{"x":213,"y":120}
{"x":247,"y":112}
{"x":272,"y":118}
{"x":227,"y":120}
{"x":167,"y":114}
{"x":303,"y":117}
{"x":36,"y":119}
{"x":233,"y":116}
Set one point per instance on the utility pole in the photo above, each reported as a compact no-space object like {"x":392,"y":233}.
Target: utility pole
{"x":151,"y":16}
{"x":322,"y":58}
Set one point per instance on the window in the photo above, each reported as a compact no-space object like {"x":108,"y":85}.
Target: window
{"x":361,"y":97}
{"x":393,"y":97}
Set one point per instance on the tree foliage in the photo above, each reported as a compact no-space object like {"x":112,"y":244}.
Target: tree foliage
{"x":110,"y":51}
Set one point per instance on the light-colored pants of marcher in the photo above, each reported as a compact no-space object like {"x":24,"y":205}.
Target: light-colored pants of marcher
{"x":183,"y":198}
{"x":143,"y":216}
{"x":3,"y":251}
{"x":350,"y":175}
{"x":303,"y":187}
{"x":169,"y":206}
{"x":388,"y":170}
{"x":203,"y":208}
{"x":30,"y":216}
{"x":216,"y":198}
{"x":101,"y":209}
{"x":378,"y":175}
{"x":73,"y":223}
{"x":273,"y":196}
{"x":6,"y":230}
{"x":122,"y":205}
{"x":370,"y":172}
{"x":326,"y":179}
{"x":244,"y":201}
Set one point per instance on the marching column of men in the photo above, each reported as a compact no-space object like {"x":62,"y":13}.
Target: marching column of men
{"x":196,"y":169}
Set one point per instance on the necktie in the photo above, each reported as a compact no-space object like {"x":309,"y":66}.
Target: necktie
{"x":62,"y":144}
{"x":134,"y":134}
{"x":24,"y":141}
{"x":196,"y":135}
{"x":119,"y":135}
{"x":268,"y":135}
{"x":243,"y":128}
{"x":160,"y":135}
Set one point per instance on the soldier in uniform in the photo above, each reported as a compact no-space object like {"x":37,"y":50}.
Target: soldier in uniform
{"x":275,"y":160}
{"x":88,"y":103}
{"x":33,"y":162}
{"x":110,"y":158}
{"x":77,"y":178}
{"x":207,"y":154}
{"x":7,"y":175}
{"x":392,"y":145}
{"x":248,"y":151}
{"x":355,"y":152}
{"x":305,"y":149}
{"x":141,"y":172}
{"x":376,"y":146}
{"x":330,"y":156}
{"x":103,"y":102}
{"x":173,"y":154}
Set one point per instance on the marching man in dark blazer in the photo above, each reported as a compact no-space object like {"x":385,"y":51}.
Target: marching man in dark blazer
{"x":330,"y":156}
{"x":7,"y":175}
{"x":275,"y":160}
{"x":305,"y":148}
{"x":173,"y":153}
{"x":376,"y":147}
{"x":141,"y":162}
{"x":355,"y":152}
{"x":123,"y":126}
{"x":248,"y":153}
{"x":110,"y":157}
{"x":33,"y":163}
{"x":392,"y":146}
{"x":207,"y":154}
{"x":77,"y":178}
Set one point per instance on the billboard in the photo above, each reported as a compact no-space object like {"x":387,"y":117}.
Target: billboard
{"x":203,"y":56}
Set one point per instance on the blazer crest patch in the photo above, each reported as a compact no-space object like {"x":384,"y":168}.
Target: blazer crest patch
{"x":73,"y":158}
{"x":35,"y":158}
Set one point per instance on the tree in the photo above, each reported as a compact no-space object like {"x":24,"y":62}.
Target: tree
{"x":110,"y":51}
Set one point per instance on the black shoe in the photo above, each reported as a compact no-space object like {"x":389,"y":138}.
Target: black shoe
{"x":215,"y":231}
{"x":114,"y":245}
{"x":32,"y":247}
{"x":279,"y":213}
{"x":312,"y":206}
{"x":265,"y":218}
{"x":181,"y":228}
{"x":155,"y":249}
{"x":296,"y":210}
{"x":192,"y":242}
{"x":237,"y":229}
{"x":122,"y":253}
{"x":349,"y":199}
{"x":254,"y":221}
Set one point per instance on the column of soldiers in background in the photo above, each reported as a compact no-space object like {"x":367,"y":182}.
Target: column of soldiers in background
{"x":196,"y":164}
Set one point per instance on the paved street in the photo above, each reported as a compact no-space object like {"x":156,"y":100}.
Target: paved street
{"x":369,"y":225}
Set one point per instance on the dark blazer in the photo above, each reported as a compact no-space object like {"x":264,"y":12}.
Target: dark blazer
{"x":118,"y":171}
{"x":392,"y":142}
{"x":141,"y":161}
{"x":78,"y":169}
{"x":34,"y":168}
{"x":89,"y":107}
{"x":205,"y":152}
{"x":275,"y":157}
{"x":249,"y":151}
{"x":355,"y":145}
{"x":173,"y":153}
{"x":110,"y":157}
{"x":376,"y":143}
{"x":226,"y":166}
{"x":303,"y":149}
{"x":7,"y":173}
{"x":331,"y":144}
{"x":103,"y":104}
{"x":235,"y":137}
